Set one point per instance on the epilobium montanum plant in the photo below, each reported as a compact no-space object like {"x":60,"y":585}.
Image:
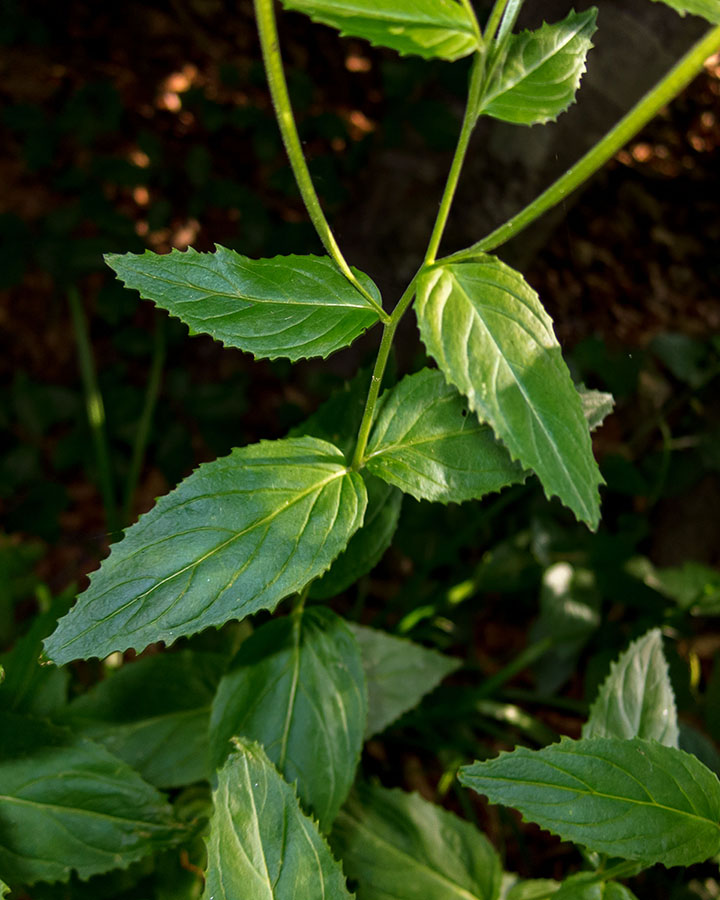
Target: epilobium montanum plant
{"x":278,"y":732}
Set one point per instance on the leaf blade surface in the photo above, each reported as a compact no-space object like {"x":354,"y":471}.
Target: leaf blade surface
{"x":634,"y":799}
{"x":493,"y":340}
{"x":240,"y":534}
{"x":288,"y":306}
{"x":297,"y":686}
{"x":708,"y":9}
{"x":261,"y":845}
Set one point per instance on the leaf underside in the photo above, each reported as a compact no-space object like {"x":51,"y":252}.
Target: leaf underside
{"x":493,"y":340}
{"x":397,"y":845}
{"x":708,"y":9}
{"x":398,"y":673}
{"x":297,"y":686}
{"x":239,"y":535}
{"x":540,"y":71}
{"x":633,"y":799}
{"x":67,"y":803}
{"x":433,"y":29}
{"x":427,"y":443}
{"x":288,"y":306}
{"x":261,"y":845}
{"x":636,"y":699}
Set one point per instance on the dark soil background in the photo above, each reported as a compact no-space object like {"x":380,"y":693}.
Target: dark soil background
{"x":134,"y":125}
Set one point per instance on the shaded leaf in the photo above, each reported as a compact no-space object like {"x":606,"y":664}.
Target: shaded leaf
{"x":585,"y":886}
{"x":540,"y":71}
{"x":399,"y":846}
{"x":633,"y":799}
{"x":398,"y":673}
{"x":708,"y":9}
{"x":636,"y":699}
{"x":693,"y":586}
{"x":427,"y":443}
{"x":297,"y":686}
{"x":368,"y":545}
{"x":570,"y":607}
{"x":66,"y":803}
{"x":261,"y":845}
{"x":154,"y":713}
{"x":493,"y":340}
{"x":239,"y":535}
{"x":441,"y":29}
{"x":289,"y":306}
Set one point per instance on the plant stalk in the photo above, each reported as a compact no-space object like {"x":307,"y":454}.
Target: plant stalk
{"x":95,"y":411}
{"x":269,"y":42}
{"x":494,"y":20}
{"x":676,"y":79}
{"x":143,"y":430}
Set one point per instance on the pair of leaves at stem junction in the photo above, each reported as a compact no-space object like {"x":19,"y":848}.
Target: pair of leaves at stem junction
{"x":708,"y":9}
{"x":246,"y":531}
{"x":535,"y":74}
{"x":624,"y":788}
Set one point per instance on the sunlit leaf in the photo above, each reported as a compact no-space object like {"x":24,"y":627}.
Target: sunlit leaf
{"x":493,"y":340}
{"x":441,"y":29}
{"x":297,"y":686}
{"x":636,"y":699}
{"x":708,"y":9}
{"x":633,"y":799}
{"x":289,"y":306}
{"x":261,"y":845}
{"x":238,"y":535}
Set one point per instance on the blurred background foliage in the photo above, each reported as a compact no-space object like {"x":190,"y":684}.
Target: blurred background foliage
{"x":148,"y":125}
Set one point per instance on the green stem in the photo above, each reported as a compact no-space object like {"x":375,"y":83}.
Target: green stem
{"x":676,"y":79}
{"x":494,"y":20}
{"x":267,"y":29}
{"x":143,"y":429}
{"x":524,"y":659}
{"x":469,"y":119}
{"x":512,"y":11}
{"x":381,"y":361}
{"x":95,"y":410}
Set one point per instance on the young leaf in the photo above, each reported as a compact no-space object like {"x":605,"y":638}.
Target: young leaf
{"x":398,"y":673}
{"x":239,"y":535}
{"x":368,"y":545}
{"x":427,"y":443}
{"x":597,"y":406}
{"x":633,"y":799}
{"x":540,"y":71}
{"x":439,"y":29}
{"x":66,"y":803}
{"x":289,"y":306}
{"x":261,"y":845}
{"x":636,"y":699}
{"x":585,"y":886}
{"x":532,"y":889}
{"x":154,"y":714}
{"x":493,"y":340}
{"x":708,"y":9}
{"x":399,"y":846}
{"x":297,"y":686}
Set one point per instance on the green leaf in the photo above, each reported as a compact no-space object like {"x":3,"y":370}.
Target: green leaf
{"x":570,"y":607}
{"x":239,"y":535}
{"x":540,"y":71}
{"x":398,"y":674}
{"x":398,"y":846}
{"x":297,"y":686}
{"x":289,"y":306}
{"x":597,"y":406}
{"x":427,"y":443}
{"x":533,"y":889}
{"x":433,"y":29}
{"x":693,"y":586}
{"x":261,"y":845}
{"x":636,"y":699}
{"x":585,"y":886}
{"x":66,"y":803}
{"x":368,"y":545}
{"x":338,"y":419}
{"x":154,"y":714}
{"x":708,"y":9}
{"x":493,"y":340}
{"x":633,"y":799}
